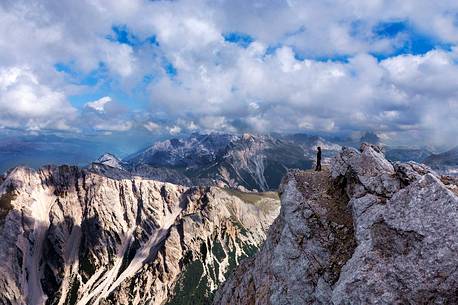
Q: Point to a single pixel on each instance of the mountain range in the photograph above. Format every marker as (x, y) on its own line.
(38, 150)
(198, 220)
(446, 162)
(247, 162)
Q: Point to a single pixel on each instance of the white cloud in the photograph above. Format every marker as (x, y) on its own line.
(120, 59)
(394, 94)
(222, 86)
(151, 126)
(113, 126)
(105, 114)
(99, 105)
(174, 130)
(26, 103)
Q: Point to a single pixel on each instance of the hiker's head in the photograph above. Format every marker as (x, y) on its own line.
(319, 148)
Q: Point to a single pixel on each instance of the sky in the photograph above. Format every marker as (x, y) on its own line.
(153, 69)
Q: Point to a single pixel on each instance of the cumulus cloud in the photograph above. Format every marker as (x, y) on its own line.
(320, 67)
(99, 105)
(398, 93)
(27, 103)
(174, 130)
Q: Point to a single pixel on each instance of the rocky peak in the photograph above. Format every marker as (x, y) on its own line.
(110, 160)
(255, 162)
(366, 232)
(71, 236)
(247, 137)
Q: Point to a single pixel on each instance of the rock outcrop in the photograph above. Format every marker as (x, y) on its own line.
(366, 232)
(71, 236)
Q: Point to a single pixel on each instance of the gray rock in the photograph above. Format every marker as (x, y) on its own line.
(369, 232)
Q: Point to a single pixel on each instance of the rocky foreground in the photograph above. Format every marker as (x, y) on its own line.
(70, 236)
(365, 232)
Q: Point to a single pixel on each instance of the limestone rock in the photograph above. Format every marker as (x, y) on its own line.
(367, 232)
(72, 236)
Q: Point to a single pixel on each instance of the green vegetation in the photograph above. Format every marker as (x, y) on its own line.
(72, 296)
(250, 250)
(218, 251)
(252, 197)
(192, 288)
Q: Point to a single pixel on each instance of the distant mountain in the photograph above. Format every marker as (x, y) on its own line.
(248, 161)
(370, 137)
(405, 154)
(446, 162)
(110, 160)
(310, 143)
(347, 141)
(254, 162)
(43, 149)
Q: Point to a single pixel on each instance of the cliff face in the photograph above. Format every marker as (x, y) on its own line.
(69, 236)
(366, 232)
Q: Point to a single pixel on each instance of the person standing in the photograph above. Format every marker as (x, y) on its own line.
(318, 159)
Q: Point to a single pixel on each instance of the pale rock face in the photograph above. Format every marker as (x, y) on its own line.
(70, 236)
(110, 160)
(368, 232)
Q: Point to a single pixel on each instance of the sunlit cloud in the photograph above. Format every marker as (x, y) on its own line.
(231, 66)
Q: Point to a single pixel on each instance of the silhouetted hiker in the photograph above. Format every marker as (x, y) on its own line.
(318, 160)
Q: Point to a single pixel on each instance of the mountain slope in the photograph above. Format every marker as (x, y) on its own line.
(247, 161)
(368, 232)
(446, 162)
(110, 160)
(70, 236)
(405, 154)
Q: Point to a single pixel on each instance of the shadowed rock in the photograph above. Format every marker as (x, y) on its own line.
(368, 232)
(70, 236)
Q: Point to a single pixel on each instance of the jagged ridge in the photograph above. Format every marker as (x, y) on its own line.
(254, 162)
(390, 237)
(69, 236)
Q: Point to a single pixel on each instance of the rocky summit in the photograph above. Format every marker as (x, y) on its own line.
(366, 231)
(71, 236)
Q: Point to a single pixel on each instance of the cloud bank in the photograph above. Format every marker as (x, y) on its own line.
(262, 66)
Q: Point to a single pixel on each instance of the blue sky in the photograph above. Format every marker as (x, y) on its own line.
(165, 68)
